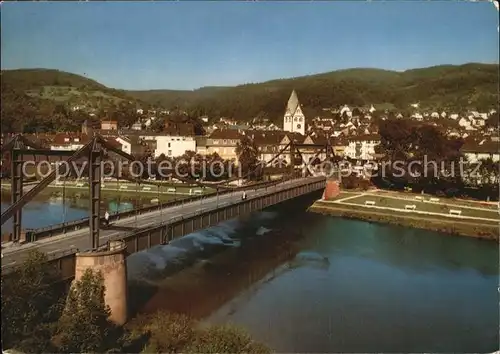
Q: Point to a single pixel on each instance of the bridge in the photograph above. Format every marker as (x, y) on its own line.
(162, 225)
(78, 245)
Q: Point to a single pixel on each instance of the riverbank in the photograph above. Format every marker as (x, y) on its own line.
(460, 227)
(123, 187)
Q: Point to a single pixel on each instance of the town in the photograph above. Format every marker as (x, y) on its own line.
(353, 133)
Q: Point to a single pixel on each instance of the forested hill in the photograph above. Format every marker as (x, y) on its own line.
(33, 98)
(55, 100)
(469, 86)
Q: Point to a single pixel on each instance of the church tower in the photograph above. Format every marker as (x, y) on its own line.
(294, 120)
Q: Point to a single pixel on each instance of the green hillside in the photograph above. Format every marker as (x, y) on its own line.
(33, 98)
(42, 99)
(469, 86)
(62, 87)
(177, 98)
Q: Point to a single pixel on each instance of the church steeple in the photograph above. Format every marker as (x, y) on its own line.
(294, 120)
(293, 103)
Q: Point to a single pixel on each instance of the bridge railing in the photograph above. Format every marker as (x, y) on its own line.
(51, 256)
(62, 228)
(188, 216)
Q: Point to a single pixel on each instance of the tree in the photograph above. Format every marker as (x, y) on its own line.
(248, 157)
(84, 325)
(30, 305)
(225, 339)
(168, 333)
(432, 156)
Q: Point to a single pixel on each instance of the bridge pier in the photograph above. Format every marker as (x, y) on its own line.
(111, 262)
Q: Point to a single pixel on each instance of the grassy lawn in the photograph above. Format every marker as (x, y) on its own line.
(382, 201)
(412, 196)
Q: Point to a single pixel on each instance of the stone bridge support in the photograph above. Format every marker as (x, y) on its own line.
(111, 262)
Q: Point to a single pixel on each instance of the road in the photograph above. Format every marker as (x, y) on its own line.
(16, 254)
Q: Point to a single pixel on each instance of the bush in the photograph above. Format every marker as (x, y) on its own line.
(225, 339)
(168, 333)
(30, 305)
(174, 333)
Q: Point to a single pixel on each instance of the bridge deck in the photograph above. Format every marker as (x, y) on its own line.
(80, 239)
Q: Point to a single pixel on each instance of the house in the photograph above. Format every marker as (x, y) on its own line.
(149, 121)
(464, 122)
(173, 146)
(485, 149)
(362, 147)
(285, 139)
(125, 143)
(308, 154)
(179, 129)
(223, 143)
(339, 145)
(268, 144)
(294, 120)
(417, 116)
(132, 144)
(478, 121)
(69, 141)
(109, 125)
(137, 126)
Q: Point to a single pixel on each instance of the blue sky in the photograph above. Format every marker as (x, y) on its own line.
(189, 44)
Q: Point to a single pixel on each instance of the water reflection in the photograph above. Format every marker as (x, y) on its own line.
(334, 286)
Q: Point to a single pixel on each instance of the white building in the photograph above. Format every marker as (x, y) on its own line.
(173, 146)
(126, 144)
(418, 116)
(362, 147)
(294, 120)
(485, 149)
(346, 110)
(479, 121)
(464, 122)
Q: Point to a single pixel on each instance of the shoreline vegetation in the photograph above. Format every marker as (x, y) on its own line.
(56, 320)
(456, 227)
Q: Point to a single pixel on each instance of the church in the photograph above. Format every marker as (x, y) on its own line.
(294, 120)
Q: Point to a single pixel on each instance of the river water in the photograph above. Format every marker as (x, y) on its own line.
(303, 282)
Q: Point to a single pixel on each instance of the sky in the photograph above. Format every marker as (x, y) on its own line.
(190, 44)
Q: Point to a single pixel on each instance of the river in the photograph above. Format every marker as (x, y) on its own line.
(303, 282)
